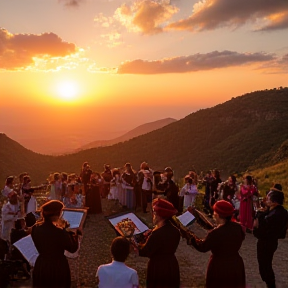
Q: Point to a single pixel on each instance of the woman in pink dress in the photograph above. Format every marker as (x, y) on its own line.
(247, 191)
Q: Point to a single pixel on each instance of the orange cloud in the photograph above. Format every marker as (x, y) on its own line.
(19, 50)
(146, 16)
(212, 14)
(193, 63)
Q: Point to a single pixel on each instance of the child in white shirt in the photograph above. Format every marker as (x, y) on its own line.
(116, 274)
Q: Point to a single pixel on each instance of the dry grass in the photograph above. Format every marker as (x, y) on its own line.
(273, 174)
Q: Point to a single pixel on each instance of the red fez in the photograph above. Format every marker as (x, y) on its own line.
(52, 208)
(164, 208)
(223, 208)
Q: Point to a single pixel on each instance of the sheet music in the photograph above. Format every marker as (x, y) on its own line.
(140, 225)
(73, 217)
(27, 248)
(186, 218)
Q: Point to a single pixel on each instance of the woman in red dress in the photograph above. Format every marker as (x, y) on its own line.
(246, 211)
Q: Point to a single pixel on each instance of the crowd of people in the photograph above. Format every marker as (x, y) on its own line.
(236, 209)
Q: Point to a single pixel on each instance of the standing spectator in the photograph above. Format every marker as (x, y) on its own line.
(107, 177)
(145, 179)
(9, 186)
(247, 191)
(128, 182)
(214, 192)
(64, 182)
(115, 185)
(158, 191)
(30, 204)
(93, 196)
(269, 226)
(206, 201)
(189, 191)
(171, 189)
(10, 213)
(117, 274)
(85, 175)
(51, 267)
(160, 247)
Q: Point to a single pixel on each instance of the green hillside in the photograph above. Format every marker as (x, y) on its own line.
(245, 131)
(273, 174)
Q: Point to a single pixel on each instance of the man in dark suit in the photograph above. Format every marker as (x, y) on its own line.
(269, 226)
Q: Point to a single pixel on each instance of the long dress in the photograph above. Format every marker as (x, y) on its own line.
(246, 205)
(189, 191)
(226, 267)
(128, 181)
(51, 267)
(160, 247)
(8, 220)
(93, 198)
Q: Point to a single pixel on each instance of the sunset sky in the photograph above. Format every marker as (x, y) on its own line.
(94, 69)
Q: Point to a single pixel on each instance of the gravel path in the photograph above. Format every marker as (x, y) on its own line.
(98, 234)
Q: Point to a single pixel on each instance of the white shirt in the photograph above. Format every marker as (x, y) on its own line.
(6, 191)
(117, 275)
(32, 205)
(148, 179)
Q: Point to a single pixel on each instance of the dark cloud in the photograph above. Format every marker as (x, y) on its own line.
(196, 62)
(17, 51)
(212, 14)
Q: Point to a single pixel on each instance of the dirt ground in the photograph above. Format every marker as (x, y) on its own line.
(193, 264)
(95, 250)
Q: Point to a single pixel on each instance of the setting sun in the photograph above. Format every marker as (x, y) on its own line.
(68, 90)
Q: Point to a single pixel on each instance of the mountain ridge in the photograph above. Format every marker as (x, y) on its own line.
(139, 130)
(231, 136)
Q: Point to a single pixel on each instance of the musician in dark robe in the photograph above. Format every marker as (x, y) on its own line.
(107, 177)
(226, 267)
(269, 226)
(160, 247)
(51, 267)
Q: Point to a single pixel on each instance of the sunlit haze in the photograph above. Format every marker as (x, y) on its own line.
(88, 70)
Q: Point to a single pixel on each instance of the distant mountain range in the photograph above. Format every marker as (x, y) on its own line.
(140, 130)
(244, 132)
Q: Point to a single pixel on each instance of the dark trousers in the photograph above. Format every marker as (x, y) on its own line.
(265, 253)
(146, 198)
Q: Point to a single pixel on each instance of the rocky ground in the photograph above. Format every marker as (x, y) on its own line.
(95, 250)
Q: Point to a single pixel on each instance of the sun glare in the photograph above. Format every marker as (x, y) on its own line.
(68, 90)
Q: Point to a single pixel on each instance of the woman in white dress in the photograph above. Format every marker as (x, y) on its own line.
(10, 213)
(189, 191)
(115, 185)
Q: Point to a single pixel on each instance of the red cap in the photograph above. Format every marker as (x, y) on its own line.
(164, 208)
(223, 208)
